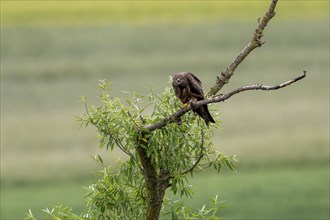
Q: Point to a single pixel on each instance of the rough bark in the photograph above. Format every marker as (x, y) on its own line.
(156, 182)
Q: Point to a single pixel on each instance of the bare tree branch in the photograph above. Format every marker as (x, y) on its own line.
(219, 98)
(254, 43)
(223, 97)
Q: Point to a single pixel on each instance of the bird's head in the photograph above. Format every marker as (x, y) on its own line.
(179, 79)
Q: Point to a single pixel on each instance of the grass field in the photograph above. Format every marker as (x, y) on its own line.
(281, 137)
(31, 13)
(287, 193)
(266, 194)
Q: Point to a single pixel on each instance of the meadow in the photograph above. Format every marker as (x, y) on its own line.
(280, 137)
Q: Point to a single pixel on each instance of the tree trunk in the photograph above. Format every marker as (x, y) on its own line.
(156, 184)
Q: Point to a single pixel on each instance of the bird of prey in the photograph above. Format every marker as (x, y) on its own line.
(188, 88)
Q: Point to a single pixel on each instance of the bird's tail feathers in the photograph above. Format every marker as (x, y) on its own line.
(204, 113)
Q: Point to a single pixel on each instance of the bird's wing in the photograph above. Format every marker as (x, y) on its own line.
(195, 86)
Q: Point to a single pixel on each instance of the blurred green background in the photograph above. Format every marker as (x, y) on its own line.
(53, 52)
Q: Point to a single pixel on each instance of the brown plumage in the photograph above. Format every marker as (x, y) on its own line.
(188, 88)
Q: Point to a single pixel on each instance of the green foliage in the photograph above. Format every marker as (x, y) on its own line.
(118, 194)
(181, 148)
(58, 213)
(178, 211)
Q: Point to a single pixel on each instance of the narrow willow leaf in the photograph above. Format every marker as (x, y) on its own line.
(100, 159)
(229, 164)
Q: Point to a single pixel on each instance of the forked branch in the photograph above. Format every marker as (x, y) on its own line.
(225, 76)
(220, 98)
(254, 43)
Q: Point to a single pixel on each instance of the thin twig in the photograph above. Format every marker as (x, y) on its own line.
(222, 97)
(201, 155)
(117, 141)
(129, 114)
(120, 145)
